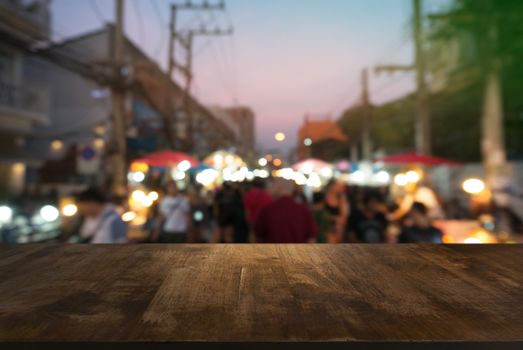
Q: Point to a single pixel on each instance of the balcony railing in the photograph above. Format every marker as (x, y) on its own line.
(31, 101)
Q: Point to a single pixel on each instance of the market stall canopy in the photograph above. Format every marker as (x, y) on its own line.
(167, 158)
(310, 165)
(415, 158)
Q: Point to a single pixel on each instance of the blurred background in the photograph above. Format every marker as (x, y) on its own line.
(176, 121)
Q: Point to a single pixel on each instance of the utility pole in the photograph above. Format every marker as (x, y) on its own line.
(366, 120)
(174, 35)
(118, 141)
(422, 121)
(495, 164)
(187, 42)
(493, 133)
(172, 41)
(423, 142)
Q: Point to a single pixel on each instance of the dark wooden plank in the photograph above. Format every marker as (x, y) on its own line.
(262, 293)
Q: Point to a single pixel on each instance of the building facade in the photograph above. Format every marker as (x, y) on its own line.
(245, 119)
(322, 139)
(24, 103)
(56, 103)
(241, 121)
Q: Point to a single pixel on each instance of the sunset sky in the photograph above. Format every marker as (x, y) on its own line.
(285, 59)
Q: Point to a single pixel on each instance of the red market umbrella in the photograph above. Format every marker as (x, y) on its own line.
(167, 158)
(415, 158)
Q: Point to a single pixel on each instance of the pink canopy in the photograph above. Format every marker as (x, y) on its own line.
(167, 158)
(415, 158)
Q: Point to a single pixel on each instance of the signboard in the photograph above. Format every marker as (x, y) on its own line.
(88, 160)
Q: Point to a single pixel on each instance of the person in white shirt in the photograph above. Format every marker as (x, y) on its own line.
(174, 210)
(102, 223)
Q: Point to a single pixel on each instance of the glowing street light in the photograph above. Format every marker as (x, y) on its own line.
(280, 137)
(57, 145)
(307, 142)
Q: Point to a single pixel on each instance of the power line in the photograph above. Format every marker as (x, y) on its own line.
(220, 72)
(342, 100)
(97, 11)
(141, 23)
(222, 55)
(387, 85)
(161, 21)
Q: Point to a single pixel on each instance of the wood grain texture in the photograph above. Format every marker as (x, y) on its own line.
(261, 293)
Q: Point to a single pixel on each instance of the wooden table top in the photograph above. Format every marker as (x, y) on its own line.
(261, 293)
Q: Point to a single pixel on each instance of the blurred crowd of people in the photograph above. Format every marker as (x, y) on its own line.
(272, 211)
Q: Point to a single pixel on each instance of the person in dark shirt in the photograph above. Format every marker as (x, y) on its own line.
(368, 224)
(284, 220)
(321, 216)
(228, 211)
(418, 227)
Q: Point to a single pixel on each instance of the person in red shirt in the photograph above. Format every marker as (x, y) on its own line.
(285, 220)
(255, 200)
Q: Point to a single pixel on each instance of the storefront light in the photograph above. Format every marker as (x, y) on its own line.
(57, 145)
(207, 177)
(286, 173)
(357, 177)
(179, 175)
(412, 176)
(137, 166)
(184, 165)
(262, 162)
(153, 195)
(49, 213)
(473, 186)
(307, 169)
(138, 195)
(6, 214)
(401, 180)
(218, 159)
(314, 181)
(300, 179)
(383, 177)
(326, 172)
(263, 174)
(307, 142)
(473, 240)
(147, 202)
(128, 216)
(138, 177)
(69, 210)
(99, 143)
